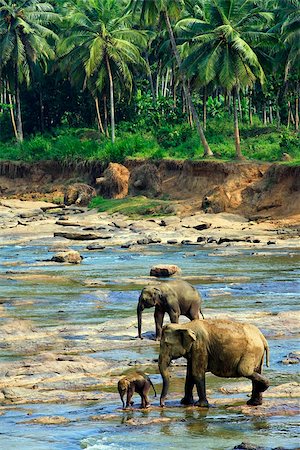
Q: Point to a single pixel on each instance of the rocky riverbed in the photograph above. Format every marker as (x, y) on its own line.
(68, 331)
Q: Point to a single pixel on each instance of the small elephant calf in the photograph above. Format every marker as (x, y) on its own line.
(135, 382)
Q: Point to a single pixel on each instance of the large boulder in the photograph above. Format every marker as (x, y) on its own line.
(114, 181)
(216, 201)
(70, 256)
(164, 270)
(145, 180)
(79, 194)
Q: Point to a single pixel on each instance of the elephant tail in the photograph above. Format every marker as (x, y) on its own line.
(267, 354)
(267, 351)
(152, 386)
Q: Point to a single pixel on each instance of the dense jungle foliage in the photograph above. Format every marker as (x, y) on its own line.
(112, 79)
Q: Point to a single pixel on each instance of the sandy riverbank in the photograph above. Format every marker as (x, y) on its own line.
(22, 221)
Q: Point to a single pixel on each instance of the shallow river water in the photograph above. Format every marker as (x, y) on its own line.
(240, 282)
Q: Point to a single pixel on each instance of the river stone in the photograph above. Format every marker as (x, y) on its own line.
(154, 239)
(77, 236)
(170, 221)
(247, 446)
(127, 244)
(172, 241)
(292, 358)
(143, 241)
(54, 420)
(95, 247)
(30, 214)
(164, 271)
(71, 257)
(120, 223)
(187, 242)
(233, 239)
(67, 223)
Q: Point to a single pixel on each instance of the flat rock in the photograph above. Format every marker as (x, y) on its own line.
(120, 223)
(76, 236)
(95, 247)
(54, 420)
(30, 214)
(67, 223)
(164, 271)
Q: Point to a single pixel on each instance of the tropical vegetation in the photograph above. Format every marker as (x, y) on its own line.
(112, 79)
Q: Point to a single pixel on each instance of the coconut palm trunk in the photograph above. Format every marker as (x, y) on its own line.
(99, 120)
(238, 152)
(18, 108)
(11, 110)
(207, 150)
(112, 103)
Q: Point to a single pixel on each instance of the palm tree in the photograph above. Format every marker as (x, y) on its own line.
(25, 40)
(101, 48)
(222, 48)
(150, 11)
(290, 37)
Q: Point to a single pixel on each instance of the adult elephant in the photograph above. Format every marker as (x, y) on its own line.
(222, 347)
(176, 297)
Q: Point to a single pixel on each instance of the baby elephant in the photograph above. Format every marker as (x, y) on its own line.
(176, 297)
(135, 382)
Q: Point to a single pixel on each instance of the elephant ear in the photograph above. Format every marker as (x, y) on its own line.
(187, 338)
(170, 336)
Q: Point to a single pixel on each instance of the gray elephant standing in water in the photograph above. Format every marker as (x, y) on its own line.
(222, 347)
(176, 297)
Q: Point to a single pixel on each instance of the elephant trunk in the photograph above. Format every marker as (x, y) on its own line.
(163, 364)
(139, 318)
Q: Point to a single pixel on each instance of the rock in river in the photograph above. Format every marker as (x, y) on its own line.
(71, 257)
(77, 236)
(164, 271)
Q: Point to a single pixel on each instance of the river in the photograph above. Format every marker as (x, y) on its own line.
(239, 282)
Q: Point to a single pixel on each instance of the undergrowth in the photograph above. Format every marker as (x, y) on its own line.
(262, 143)
(131, 206)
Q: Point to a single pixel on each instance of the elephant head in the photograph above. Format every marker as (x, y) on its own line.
(150, 296)
(123, 386)
(175, 342)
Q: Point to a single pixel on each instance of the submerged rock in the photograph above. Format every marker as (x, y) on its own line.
(292, 358)
(54, 420)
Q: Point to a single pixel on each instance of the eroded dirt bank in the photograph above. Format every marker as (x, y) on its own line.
(250, 189)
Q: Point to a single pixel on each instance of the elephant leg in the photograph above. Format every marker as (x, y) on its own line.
(174, 317)
(188, 388)
(259, 385)
(130, 393)
(145, 399)
(201, 390)
(194, 313)
(159, 318)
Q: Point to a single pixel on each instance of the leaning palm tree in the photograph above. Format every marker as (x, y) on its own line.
(222, 48)
(25, 40)
(150, 11)
(102, 47)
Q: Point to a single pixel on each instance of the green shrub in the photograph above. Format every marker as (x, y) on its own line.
(131, 206)
(171, 136)
(290, 143)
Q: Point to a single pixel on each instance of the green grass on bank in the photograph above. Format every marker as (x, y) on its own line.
(132, 206)
(262, 143)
